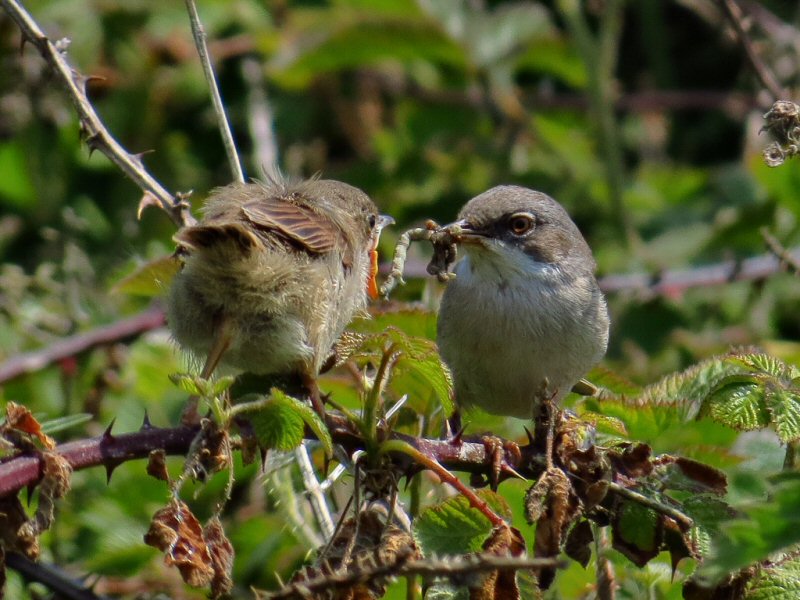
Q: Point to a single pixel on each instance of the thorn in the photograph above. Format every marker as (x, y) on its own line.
(92, 142)
(409, 473)
(146, 424)
(509, 470)
(530, 435)
(138, 156)
(107, 433)
(83, 80)
(31, 487)
(458, 437)
(110, 466)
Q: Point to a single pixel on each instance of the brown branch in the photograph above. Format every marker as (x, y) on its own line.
(764, 74)
(95, 133)
(108, 450)
(430, 568)
(122, 330)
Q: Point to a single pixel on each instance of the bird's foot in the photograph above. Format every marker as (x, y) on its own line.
(502, 453)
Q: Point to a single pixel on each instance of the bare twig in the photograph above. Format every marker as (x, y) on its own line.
(95, 133)
(444, 568)
(199, 35)
(762, 71)
(124, 329)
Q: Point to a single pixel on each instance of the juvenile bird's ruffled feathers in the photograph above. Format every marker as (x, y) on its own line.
(281, 266)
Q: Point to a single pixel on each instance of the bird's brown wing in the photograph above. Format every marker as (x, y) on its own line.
(298, 224)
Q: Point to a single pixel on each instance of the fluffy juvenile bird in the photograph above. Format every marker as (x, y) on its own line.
(273, 273)
(524, 306)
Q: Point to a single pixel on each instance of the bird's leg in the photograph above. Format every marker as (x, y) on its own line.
(310, 383)
(219, 345)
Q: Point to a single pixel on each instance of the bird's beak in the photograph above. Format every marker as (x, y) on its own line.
(465, 232)
(372, 281)
(384, 221)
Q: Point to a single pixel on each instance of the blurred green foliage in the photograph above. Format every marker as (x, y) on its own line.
(423, 104)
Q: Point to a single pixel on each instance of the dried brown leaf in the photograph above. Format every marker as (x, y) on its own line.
(221, 551)
(20, 418)
(500, 584)
(157, 465)
(16, 530)
(55, 484)
(176, 531)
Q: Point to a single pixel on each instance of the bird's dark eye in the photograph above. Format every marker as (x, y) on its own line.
(521, 223)
(372, 220)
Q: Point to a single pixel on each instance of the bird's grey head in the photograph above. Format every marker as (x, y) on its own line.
(510, 218)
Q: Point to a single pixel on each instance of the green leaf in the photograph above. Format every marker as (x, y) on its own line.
(309, 417)
(784, 407)
(454, 527)
(417, 362)
(767, 364)
(150, 279)
(277, 424)
(688, 389)
(778, 581)
(63, 423)
(768, 524)
(326, 40)
(222, 384)
(739, 406)
(191, 384)
(638, 526)
(279, 421)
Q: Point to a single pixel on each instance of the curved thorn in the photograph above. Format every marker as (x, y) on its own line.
(107, 433)
(458, 437)
(530, 435)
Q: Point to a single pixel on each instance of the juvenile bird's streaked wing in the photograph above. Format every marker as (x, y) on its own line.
(296, 223)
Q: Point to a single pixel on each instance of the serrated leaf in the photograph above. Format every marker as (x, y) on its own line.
(779, 581)
(150, 279)
(417, 359)
(688, 389)
(784, 407)
(454, 527)
(769, 365)
(191, 384)
(277, 424)
(309, 417)
(222, 384)
(739, 406)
